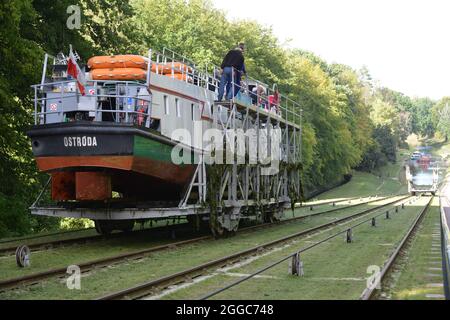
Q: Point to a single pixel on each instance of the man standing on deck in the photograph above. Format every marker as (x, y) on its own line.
(233, 59)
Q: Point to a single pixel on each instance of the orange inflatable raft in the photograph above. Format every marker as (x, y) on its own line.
(119, 61)
(134, 67)
(119, 74)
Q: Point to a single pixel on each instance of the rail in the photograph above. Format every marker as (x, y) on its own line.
(369, 292)
(445, 246)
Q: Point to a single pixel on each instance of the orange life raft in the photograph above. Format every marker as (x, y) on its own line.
(134, 67)
(119, 74)
(119, 61)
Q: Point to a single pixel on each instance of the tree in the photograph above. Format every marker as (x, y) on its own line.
(441, 116)
(425, 125)
(387, 142)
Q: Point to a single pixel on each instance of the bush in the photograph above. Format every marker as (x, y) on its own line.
(75, 223)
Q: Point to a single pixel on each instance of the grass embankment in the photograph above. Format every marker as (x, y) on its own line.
(386, 180)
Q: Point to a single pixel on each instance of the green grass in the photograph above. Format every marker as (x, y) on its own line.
(365, 184)
(386, 180)
(333, 270)
(412, 274)
(104, 280)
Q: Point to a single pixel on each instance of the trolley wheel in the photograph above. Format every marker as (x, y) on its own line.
(23, 256)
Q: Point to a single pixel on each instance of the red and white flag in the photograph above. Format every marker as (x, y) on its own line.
(75, 71)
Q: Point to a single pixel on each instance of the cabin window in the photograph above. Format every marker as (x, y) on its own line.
(166, 105)
(177, 104)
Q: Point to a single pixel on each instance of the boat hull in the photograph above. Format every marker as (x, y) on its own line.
(90, 160)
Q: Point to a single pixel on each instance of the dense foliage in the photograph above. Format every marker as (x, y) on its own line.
(348, 121)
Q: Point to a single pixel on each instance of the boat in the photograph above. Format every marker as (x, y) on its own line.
(109, 148)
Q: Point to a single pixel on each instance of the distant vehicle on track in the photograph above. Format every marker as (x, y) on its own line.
(423, 180)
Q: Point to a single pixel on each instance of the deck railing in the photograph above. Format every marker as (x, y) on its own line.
(67, 91)
(207, 77)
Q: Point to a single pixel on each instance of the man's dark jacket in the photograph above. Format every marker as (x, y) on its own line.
(234, 58)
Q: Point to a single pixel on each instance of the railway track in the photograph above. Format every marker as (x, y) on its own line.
(38, 236)
(10, 250)
(79, 240)
(147, 288)
(313, 204)
(86, 266)
(370, 293)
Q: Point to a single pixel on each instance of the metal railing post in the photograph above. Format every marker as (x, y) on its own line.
(44, 69)
(150, 100)
(35, 105)
(97, 118)
(232, 83)
(149, 66)
(126, 102)
(61, 113)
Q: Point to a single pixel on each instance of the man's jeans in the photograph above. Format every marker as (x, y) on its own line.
(237, 82)
(226, 80)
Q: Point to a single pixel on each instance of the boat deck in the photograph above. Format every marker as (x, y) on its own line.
(263, 114)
